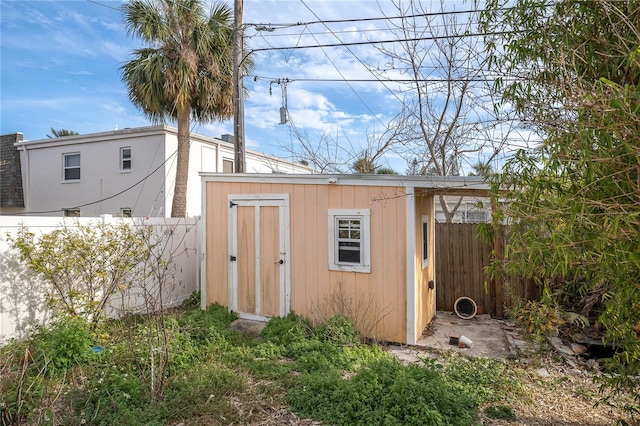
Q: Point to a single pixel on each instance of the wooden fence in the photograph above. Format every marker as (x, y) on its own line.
(461, 256)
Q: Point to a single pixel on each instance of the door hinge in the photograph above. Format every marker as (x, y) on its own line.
(233, 258)
(231, 204)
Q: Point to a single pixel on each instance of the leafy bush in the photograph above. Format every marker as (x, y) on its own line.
(287, 330)
(210, 325)
(85, 265)
(64, 343)
(339, 330)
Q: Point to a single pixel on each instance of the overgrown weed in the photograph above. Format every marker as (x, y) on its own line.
(214, 373)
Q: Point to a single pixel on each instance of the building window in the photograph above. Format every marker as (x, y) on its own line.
(349, 236)
(72, 213)
(71, 166)
(227, 166)
(126, 212)
(425, 241)
(125, 158)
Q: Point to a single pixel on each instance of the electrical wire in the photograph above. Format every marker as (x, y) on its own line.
(390, 41)
(100, 200)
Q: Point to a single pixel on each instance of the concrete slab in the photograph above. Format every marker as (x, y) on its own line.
(487, 334)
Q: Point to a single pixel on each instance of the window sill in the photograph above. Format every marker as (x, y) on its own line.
(350, 268)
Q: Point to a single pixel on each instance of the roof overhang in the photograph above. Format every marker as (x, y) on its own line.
(438, 185)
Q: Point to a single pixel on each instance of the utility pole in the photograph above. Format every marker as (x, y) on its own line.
(238, 93)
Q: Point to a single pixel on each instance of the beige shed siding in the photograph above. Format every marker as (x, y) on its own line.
(425, 296)
(380, 294)
(217, 290)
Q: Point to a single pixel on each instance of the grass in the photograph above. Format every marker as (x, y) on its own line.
(218, 376)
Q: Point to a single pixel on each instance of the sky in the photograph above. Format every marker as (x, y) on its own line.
(60, 64)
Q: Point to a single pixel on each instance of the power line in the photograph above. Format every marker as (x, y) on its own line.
(103, 5)
(340, 72)
(370, 42)
(270, 27)
(103, 199)
(393, 80)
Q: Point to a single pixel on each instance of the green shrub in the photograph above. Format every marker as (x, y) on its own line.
(65, 342)
(339, 330)
(210, 325)
(286, 331)
(385, 392)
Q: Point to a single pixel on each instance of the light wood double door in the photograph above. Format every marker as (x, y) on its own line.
(259, 269)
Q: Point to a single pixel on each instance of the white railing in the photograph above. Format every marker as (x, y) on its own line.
(23, 297)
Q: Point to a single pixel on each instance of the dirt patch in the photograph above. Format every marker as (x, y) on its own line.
(559, 394)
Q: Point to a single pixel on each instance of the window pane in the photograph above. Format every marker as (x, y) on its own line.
(72, 160)
(126, 153)
(227, 166)
(348, 255)
(71, 174)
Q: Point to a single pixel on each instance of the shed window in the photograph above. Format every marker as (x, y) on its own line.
(425, 241)
(349, 248)
(71, 166)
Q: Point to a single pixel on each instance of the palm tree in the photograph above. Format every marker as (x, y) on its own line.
(60, 133)
(186, 73)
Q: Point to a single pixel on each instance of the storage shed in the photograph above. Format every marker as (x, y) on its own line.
(314, 244)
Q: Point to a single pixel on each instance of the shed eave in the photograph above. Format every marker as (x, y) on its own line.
(454, 185)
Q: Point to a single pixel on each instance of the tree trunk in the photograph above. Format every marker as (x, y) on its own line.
(449, 214)
(179, 206)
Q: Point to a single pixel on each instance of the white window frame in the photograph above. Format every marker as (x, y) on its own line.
(123, 160)
(65, 167)
(424, 230)
(364, 216)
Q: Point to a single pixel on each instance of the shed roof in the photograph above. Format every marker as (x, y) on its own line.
(446, 185)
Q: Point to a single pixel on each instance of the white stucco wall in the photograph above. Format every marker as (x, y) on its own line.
(107, 189)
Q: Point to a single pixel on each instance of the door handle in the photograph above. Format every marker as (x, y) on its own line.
(281, 261)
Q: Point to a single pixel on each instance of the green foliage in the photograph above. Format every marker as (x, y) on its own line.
(339, 330)
(213, 375)
(84, 265)
(65, 343)
(287, 330)
(485, 379)
(385, 392)
(573, 202)
(58, 133)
